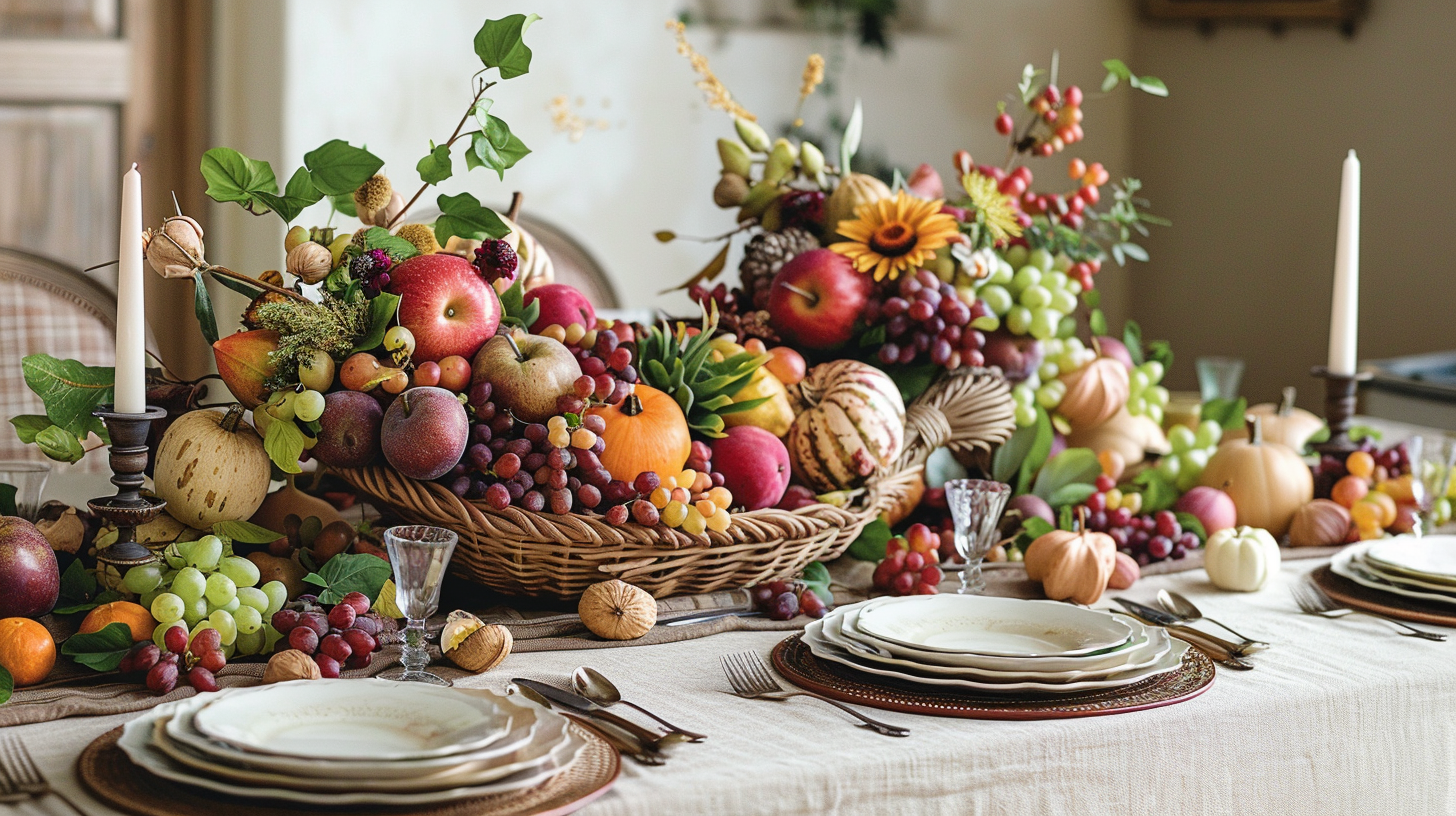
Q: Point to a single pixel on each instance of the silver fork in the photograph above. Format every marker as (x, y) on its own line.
(1313, 601)
(750, 679)
(19, 775)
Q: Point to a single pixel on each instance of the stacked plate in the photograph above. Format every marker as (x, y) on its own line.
(1421, 568)
(996, 645)
(353, 742)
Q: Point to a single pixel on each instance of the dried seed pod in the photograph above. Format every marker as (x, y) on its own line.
(372, 195)
(616, 610)
(309, 261)
(175, 249)
(730, 190)
(472, 644)
(421, 236)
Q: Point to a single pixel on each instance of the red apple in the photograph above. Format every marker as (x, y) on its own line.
(527, 374)
(1213, 508)
(243, 364)
(925, 182)
(30, 582)
(561, 305)
(754, 464)
(816, 299)
(447, 306)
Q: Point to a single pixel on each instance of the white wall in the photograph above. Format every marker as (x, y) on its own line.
(395, 75)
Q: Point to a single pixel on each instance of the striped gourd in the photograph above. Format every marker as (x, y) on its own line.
(850, 423)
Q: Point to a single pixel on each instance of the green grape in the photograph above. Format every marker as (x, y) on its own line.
(1025, 416)
(189, 584)
(203, 624)
(1170, 467)
(248, 620)
(243, 572)
(1049, 396)
(143, 579)
(230, 649)
(986, 323)
(1187, 479)
(1064, 301)
(996, 298)
(229, 607)
(1048, 371)
(1066, 326)
(1016, 256)
(1155, 413)
(1002, 274)
(1138, 382)
(1025, 276)
(184, 549)
(1208, 435)
(254, 597)
(277, 596)
(1035, 296)
(196, 611)
(271, 637)
(308, 406)
(220, 588)
(1040, 258)
(1055, 280)
(159, 634)
(148, 597)
(1044, 323)
(1158, 395)
(1018, 320)
(1054, 347)
(1074, 345)
(225, 626)
(1154, 370)
(1075, 287)
(280, 405)
(250, 643)
(168, 607)
(1196, 460)
(1181, 438)
(1137, 406)
(1062, 262)
(1022, 394)
(205, 553)
(168, 575)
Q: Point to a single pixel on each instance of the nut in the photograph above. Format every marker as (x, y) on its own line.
(730, 190)
(175, 249)
(616, 610)
(311, 262)
(290, 665)
(472, 644)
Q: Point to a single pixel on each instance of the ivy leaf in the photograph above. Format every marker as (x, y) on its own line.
(871, 542)
(70, 390)
(435, 167)
(350, 572)
(101, 650)
(514, 309)
(398, 248)
(284, 444)
(344, 204)
(849, 142)
(499, 44)
(231, 176)
(299, 193)
(1068, 495)
(202, 307)
(1162, 351)
(337, 167)
(1191, 524)
(1229, 414)
(497, 155)
(465, 216)
(1132, 337)
(28, 425)
(79, 592)
(245, 532)
(382, 309)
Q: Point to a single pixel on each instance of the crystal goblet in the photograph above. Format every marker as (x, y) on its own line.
(1432, 458)
(975, 506)
(29, 480)
(420, 554)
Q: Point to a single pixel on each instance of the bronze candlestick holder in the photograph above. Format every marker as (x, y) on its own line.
(1340, 398)
(128, 508)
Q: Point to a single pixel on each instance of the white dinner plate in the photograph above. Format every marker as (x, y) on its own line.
(1430, 558)
(822, 648)
(1346, 565)
(1387, 574)
(1151, 647)
(522, 727)
(136, 743)
(992, 626)
(353, 719)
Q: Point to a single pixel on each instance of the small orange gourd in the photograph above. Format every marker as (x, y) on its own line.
(646, 432)
(1285, 424)
(1072, 566)
(1095, 393)
(1267, 481)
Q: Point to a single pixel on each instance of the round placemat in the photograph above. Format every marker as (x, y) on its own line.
(1351, 594)
(114, 779)
(794, 660)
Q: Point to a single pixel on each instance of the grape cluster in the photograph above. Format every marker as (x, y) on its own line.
(1191, 451)
(927, 316)
(1145, 396)
(1042, 387)
(200, 585)
(345, 637)
(694, 500)
(1034, 293)
(785, 600)
(197, 661)
(911, 564)
(1147, 537)
(606, 360)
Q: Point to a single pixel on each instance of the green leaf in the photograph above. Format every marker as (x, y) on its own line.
(241, 287)
(78, 585)
(874, 337)
(1359, 432)
(284, 444)
(849, 142)
(70, 390)
(1041, 448)
(1161, 351)
(1191, 524)
(816, 577)
(499, 44)
(870, 544)
(463, 215)
(337, 167)
(231, 176)
(1097, 321)
(1071, 494)
(912, 380)
(350, 572)
(1158, 493)
(60, 444)
(435, 167)
(202, 307)
(101, 650)
(496, 147)
(1133, 251)
(1092, 298)
(1070, 467)
(398, 248)
(245, 532)
(7, 685)
(28, 425)
(382, 309)
(1132, 337)
(344, 204)
(7, 500)
(1229, 414)
(1116, 70)
(1151, 85)
(299, 193)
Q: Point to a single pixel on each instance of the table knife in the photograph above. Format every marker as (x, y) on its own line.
(626, 744)
(1222, 651)
(576, 702)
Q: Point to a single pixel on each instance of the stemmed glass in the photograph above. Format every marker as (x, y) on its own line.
(29, 480)
(975, 506)
(1431, 458)
(420, 555)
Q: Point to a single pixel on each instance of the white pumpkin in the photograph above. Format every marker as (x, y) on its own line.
(1241, 559)
(850, 424)
(211, 466)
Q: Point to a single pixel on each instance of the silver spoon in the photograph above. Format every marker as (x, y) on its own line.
(592, 685)
(627, 744)
(1179, 606)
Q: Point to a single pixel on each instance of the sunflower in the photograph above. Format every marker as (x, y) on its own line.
(997, 211)
(893, 235)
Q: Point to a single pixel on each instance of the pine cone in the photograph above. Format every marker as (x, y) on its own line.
(765, 254)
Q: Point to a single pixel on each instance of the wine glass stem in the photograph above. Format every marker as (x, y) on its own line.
(415, 657)
(971, 581)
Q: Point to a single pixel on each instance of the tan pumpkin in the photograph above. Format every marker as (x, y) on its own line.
(853, 191)
(1095, 393)
(1283, 423)
(850, 424)
(1132, 437)
(1319, 524)
(1267, 481)
(1072, 566)
(211, 467)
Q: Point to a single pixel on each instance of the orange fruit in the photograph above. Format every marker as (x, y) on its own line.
(27, 650)
(135, 616)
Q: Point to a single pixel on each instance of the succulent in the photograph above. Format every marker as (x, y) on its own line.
(680, 363)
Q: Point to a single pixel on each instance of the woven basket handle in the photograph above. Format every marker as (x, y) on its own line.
(966, 410)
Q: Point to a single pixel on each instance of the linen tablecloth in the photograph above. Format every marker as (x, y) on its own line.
(1340, 717)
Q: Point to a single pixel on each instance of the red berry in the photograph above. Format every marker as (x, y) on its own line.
(1005, 124)
(1073, 96)
(336, 647)
(903, 584)
(212, 660)
(359, 661)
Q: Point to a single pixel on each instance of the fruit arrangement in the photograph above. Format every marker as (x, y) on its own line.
(911, 564)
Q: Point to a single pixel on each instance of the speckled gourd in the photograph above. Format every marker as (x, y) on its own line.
(850, 424)
(211, 467)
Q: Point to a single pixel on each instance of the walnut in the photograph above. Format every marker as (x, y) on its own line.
(290, 665)
(473, 645)
(616, 610)
(310, 261)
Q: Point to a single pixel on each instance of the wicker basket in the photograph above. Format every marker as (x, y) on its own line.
(515, 552)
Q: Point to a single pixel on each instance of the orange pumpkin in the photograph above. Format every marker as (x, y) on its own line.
(1070, 565)
(1095, 393)
(1267, 481)
(646, 432)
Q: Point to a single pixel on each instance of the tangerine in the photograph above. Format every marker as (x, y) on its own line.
(136, 617)
(27, 650)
